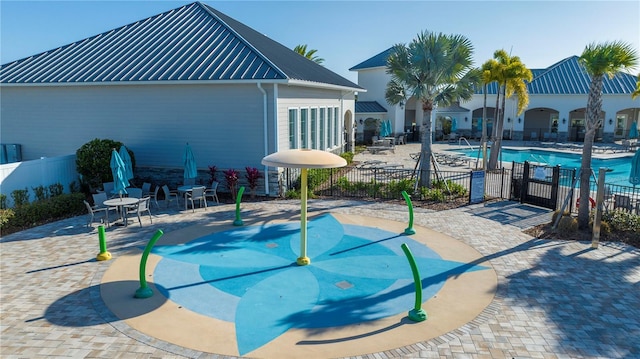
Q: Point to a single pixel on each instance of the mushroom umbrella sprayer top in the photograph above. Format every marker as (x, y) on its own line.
(303, 159)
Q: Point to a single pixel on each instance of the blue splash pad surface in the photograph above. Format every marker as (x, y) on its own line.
(249, 276)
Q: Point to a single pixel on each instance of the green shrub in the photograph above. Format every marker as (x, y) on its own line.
(56, 189)
(567, 226)
(41, 193)
(93, 161)
(620, 220)
(20, 197)
(5, 216)
(450, 188)
(3, 201)
(344, 184)
(555, 215)
(292, 194)
(317, 176)
(395, 188)
(348, 156)
(51, 209)
(432, 194)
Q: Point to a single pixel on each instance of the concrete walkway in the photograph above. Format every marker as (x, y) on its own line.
(555, 299)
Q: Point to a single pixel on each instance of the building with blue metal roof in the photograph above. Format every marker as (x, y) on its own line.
(190, 74)
(556, 111)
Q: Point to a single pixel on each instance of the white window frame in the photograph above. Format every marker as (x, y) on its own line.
(329, 133)
(323, 129)
(336, 127)
(293, 126)
(304, 127)
(313, 123)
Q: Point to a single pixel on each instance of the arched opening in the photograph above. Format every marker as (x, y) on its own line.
(349, 131)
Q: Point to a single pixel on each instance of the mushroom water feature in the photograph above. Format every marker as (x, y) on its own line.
(303, 159)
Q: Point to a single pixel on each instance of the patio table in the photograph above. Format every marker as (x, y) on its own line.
(121, 202)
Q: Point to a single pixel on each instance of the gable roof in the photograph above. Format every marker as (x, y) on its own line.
(369, 107)
(454, 108)
(566, 77)
(379, 60)
(191, 43)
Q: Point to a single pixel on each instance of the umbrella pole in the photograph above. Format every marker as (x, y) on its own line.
(303, 260)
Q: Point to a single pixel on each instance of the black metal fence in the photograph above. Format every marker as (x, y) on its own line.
(388, 183)
(545, 186)
(620, 197)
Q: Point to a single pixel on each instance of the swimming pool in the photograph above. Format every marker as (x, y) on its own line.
(621, 166)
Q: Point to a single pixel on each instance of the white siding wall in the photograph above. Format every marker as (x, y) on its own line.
(223, 124)
(375, 81)
(291, 97)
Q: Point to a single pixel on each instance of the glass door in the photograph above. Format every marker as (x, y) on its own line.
(621, 125)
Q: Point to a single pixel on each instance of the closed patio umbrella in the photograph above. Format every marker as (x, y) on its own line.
(383, 129)
(634, 175)
(124, 154)
(633, 132)
(454, 125)
(479, 126)
(120, 182)
(190, 169)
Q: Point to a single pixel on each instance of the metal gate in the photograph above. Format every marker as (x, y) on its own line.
(535, 184)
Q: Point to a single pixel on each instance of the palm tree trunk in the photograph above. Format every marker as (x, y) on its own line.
(425, 147)
(483, 141)
(592, 122)
(493, 156)
(585, 176)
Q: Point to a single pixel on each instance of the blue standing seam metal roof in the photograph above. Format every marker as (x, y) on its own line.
(191, 43)
(566, 77)
(369, 107)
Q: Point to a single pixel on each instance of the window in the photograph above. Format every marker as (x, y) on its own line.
(293, 121)
(314, 128)
(304, 127)
(322, 129)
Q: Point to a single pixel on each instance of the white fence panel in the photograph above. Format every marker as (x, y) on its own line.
(42, 172)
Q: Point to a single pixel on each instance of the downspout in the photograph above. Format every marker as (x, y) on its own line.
(266, 136)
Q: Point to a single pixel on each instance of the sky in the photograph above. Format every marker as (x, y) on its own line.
(345, 33)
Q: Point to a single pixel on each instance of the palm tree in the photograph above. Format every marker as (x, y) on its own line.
(311, 54)
(437, 70)
(511, 74)
(598, 60)
(636, 92)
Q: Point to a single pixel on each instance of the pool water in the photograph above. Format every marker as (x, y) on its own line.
(621, 166)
